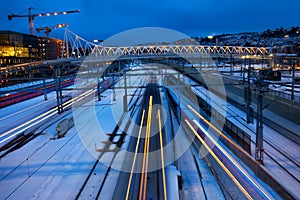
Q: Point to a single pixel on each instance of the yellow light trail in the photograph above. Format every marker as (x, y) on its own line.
(143, 168)
(148, 144)
(219, 161)
(135, 154)
(162, 155)
(233, 161)
(215, 128)
(143, 183)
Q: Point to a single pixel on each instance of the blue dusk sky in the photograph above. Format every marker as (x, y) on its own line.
(100, 19)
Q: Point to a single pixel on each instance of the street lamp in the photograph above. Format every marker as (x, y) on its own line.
(210, 37)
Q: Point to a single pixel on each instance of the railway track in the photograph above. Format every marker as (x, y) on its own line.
(152, 184)
(24, 139)
(30, 125)
(43, 163)
(115, 140)
(284, 160)
(287, 163)
(31, 93)
(146, 175)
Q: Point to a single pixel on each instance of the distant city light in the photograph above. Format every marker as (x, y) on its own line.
(96, 40)
(210, 37)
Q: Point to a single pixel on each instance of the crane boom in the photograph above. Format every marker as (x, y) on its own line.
(32, 16)
(48, 29)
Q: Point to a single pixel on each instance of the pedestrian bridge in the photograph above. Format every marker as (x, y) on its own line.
(76, 49)
(79, 47)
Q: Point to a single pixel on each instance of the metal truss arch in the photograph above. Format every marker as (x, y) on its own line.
(76, 46)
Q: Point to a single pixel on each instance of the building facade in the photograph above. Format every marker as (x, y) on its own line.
(17, 48)
(49, 48)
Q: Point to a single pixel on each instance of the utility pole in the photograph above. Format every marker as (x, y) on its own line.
(99, 73)
(125, 104)
(58, 89)
(98, 85)
(261, 88)
(259, 148)
(248, 96)
(293, 83)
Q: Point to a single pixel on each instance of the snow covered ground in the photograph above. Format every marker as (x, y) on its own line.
(281, 88)
(48, 168)
(23, 85)
(53, 169)
(272, 137)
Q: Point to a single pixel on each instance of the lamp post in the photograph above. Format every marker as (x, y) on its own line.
(210, 37)
(98, 70)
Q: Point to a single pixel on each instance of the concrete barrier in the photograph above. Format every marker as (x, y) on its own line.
(63, 126)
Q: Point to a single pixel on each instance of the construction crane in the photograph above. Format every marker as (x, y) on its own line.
(48, 29)
(32, 16)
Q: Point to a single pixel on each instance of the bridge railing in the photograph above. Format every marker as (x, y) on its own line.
(179, 50)
(76, 46)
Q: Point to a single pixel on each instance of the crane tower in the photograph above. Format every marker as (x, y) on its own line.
(31, 16)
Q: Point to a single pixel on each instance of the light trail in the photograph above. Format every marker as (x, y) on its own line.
(45, 116)
(215, 128)
(148, 144)
(143, 167)
(233, 161)
(135, 154)
(162, 155)
(26, 123)
(53, 109)
(27, 127)
(28, 108)
(244, 191)
(143, 183)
